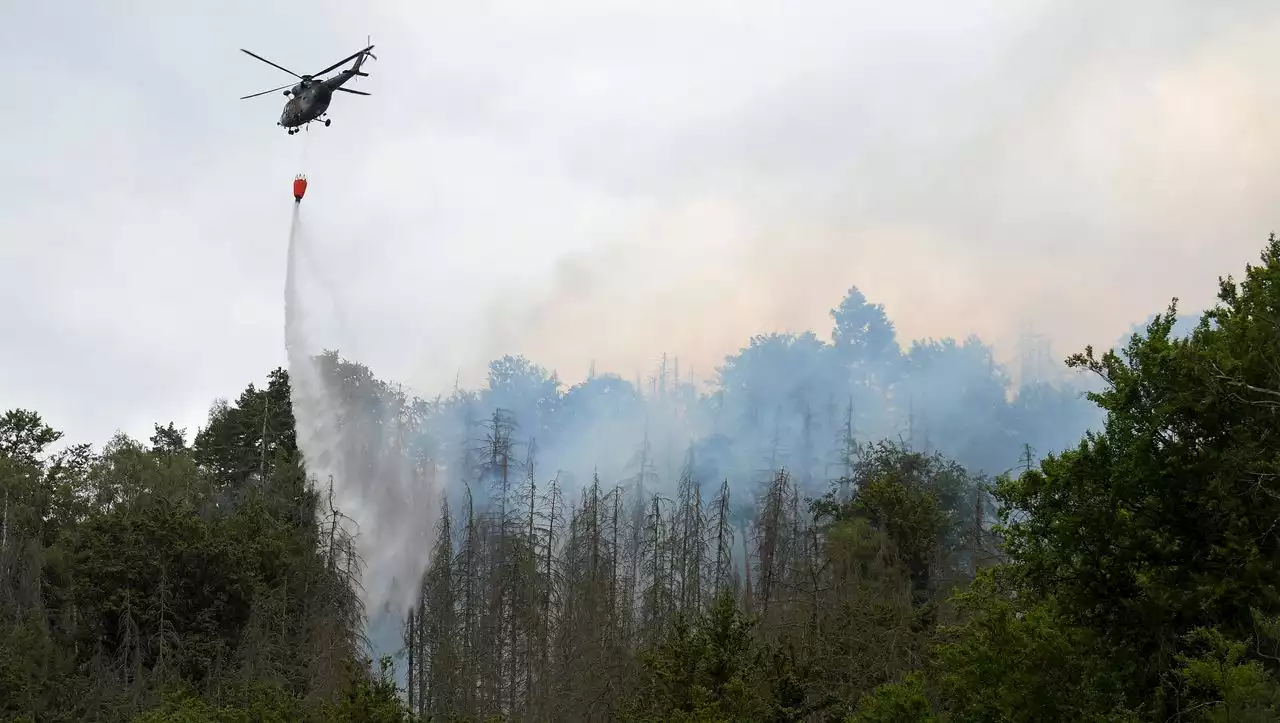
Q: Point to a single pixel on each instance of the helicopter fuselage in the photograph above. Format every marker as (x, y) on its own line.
(309, 99)
(306, 103)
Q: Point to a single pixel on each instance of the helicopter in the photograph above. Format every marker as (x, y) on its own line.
(311, 97)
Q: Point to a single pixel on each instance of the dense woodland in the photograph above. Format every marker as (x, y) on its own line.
(178, 582)
(832, 531)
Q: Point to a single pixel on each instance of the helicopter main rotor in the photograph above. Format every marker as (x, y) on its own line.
(306, 79)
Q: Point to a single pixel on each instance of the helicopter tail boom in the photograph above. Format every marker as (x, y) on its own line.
(337, 81)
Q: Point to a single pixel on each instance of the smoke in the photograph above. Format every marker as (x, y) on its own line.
(781, 401)
(610, 183)
(1072, 165)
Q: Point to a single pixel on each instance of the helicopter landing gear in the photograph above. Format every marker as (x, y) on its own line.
(327, 122)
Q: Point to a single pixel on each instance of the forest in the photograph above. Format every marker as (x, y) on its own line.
(852, 529)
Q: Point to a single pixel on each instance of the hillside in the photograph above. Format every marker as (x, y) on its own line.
(854, 529)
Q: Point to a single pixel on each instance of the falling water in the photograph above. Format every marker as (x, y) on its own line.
(384, 497)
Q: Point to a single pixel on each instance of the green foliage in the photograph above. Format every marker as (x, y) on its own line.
(909, 516)
(1221, 684)
(159, 567)
(24, 437)
(36, 675)
(901, 702)
(923, 505)
(242, 439)
(363, 700)
(371, 701)
(1165, 521)
(1015, 660)
(175, 583)
(705, 671)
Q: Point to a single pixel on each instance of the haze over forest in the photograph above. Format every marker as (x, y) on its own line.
(783, 401)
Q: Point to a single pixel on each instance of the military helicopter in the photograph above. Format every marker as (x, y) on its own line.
(311, 97)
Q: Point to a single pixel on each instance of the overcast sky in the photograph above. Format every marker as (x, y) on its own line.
(582, 179)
